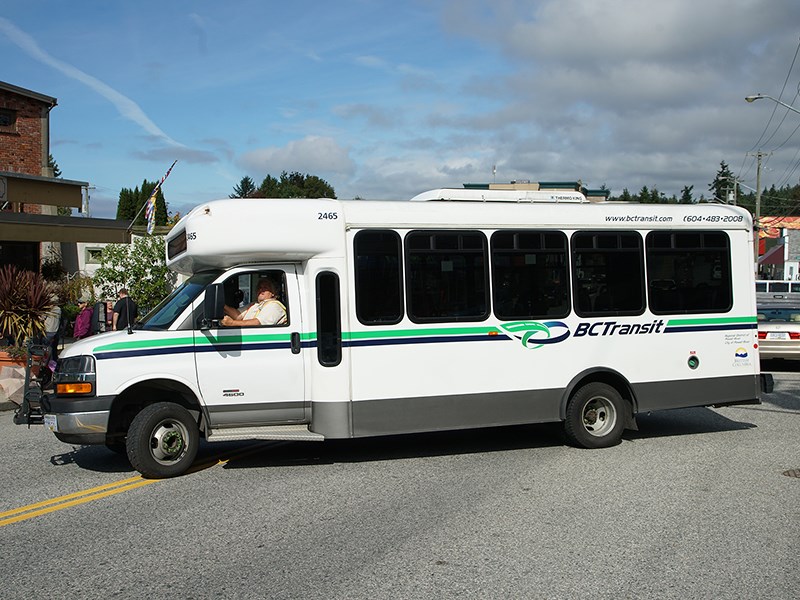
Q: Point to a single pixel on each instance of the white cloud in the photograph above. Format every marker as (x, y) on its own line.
(314, 155)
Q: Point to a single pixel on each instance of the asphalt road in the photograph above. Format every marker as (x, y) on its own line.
(693, 505)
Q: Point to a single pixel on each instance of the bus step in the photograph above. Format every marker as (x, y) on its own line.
(268, 432)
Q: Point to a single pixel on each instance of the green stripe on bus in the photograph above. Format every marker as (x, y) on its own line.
(711, 321)
(397, 333)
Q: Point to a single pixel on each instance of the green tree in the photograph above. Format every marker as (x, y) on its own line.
(656, 197)
(289, 185)
(126, 205)
(723, 181)
(686, 195)
(268, 188)
(245, 189)
(140, 267)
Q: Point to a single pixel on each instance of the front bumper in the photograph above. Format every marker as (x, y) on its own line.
(79, 420)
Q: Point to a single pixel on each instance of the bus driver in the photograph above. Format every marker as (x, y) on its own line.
(268, 310)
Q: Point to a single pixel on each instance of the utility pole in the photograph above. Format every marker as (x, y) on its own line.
(757, 220)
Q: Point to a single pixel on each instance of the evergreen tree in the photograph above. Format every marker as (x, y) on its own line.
(125, 210)
(51, 162)
(723, 181)
(268, 188)
(245, 189)
(656, 197)
(686, 195)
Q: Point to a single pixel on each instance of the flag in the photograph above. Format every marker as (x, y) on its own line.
(150, 211)
(150, 206)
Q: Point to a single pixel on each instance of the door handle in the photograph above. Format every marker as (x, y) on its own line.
(295, 337)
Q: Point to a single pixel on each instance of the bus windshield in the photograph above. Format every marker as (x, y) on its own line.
(162, 316)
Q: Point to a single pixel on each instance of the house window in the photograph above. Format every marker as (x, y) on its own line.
(94, 256)
(8, 120)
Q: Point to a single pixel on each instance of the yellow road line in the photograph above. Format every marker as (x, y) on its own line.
(109, 489)
(48, 506)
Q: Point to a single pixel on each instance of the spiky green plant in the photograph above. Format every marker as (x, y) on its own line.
(25, 298)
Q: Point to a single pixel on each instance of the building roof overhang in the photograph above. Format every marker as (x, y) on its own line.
(32, 189)
(24, 227)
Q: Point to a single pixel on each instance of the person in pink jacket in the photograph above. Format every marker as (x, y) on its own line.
(83, 322)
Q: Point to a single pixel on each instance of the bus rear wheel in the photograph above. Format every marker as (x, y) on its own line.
(162, 440)
(595, 416)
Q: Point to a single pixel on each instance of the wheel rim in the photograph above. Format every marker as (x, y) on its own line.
(168, 442)
(599, 416)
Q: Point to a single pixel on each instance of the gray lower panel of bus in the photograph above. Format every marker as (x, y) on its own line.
(436, 413)
(659, 395)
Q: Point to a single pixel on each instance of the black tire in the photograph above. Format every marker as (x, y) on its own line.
(162, 441)
(595, 416)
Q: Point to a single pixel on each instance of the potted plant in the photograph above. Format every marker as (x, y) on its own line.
(25, 298)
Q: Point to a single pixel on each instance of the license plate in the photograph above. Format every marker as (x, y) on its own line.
(51, 422)
(777, 335)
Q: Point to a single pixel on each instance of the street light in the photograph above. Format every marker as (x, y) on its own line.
(757, 220)
(755, 97)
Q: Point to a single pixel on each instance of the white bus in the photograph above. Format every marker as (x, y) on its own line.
(461, 309)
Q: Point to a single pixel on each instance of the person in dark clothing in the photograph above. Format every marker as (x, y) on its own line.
(125, 311)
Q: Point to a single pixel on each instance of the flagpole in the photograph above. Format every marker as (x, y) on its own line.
(155, 191)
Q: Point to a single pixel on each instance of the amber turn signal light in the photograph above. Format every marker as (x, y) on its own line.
(74, 388)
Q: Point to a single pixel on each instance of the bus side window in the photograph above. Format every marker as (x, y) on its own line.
(529, 274)
(378, 277)
(608, 273)
(447, 275)
(329, 322)
(688, 271)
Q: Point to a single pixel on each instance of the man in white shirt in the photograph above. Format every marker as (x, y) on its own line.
(268, 309)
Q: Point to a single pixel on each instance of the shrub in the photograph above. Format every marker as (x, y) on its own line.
(24, 302)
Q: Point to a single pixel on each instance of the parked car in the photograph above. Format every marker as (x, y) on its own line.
(779, 331)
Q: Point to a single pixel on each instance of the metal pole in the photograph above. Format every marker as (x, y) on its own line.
(757, 223)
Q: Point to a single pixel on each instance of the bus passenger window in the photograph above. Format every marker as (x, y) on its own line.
(448, 276)
(378, 277)
(529, 274)
(608, 273)
(688, 272)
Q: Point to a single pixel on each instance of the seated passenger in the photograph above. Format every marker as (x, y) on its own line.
(268, 310)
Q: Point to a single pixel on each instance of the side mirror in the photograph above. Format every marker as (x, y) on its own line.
(213, 305)
(98, 317)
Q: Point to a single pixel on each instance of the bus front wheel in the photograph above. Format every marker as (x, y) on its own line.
(595, 416)
(162, 440)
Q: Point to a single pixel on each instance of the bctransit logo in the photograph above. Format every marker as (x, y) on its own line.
(535, 334)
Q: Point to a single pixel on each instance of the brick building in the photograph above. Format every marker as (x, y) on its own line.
(29, 194)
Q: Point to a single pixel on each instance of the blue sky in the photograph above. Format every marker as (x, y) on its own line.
(388, 99)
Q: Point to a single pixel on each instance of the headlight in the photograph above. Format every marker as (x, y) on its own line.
(75, 376)
(76, 364)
